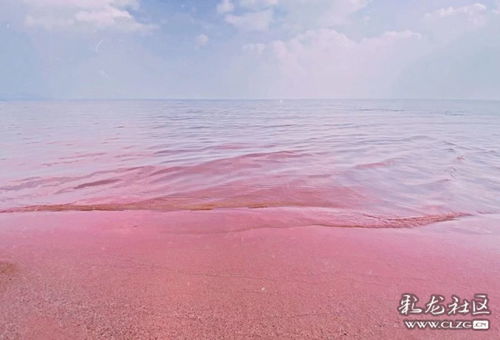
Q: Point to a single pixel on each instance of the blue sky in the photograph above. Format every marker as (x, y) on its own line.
(65, 49)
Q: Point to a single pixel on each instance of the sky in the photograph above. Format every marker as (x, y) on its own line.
(118, 49)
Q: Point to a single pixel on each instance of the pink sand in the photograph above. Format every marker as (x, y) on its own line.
(198, 275)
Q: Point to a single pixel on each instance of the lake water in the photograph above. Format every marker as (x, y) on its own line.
(340, 163)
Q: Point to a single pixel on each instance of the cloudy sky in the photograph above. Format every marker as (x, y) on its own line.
(249, 49)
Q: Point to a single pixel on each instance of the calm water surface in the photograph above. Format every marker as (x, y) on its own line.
(380, 163)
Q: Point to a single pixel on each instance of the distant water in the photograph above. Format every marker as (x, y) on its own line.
(344, 163)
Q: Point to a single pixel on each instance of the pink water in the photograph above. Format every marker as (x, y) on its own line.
(333, 163)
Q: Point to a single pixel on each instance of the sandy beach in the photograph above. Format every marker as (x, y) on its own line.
(191, 275)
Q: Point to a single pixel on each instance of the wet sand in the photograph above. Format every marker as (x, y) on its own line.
(213, 275)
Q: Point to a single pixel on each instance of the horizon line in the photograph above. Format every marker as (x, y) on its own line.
(49, 99)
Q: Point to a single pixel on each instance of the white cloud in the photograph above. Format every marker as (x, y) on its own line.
(475, 13)
(257, 48)
(326, 63)
(225, 6)
(201, 40)
(251, 21)
(301, 14)
(84, 14)
(294, 15)
(450, 23)
(257, 4)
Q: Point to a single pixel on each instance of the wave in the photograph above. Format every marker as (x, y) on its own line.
(277, 215)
